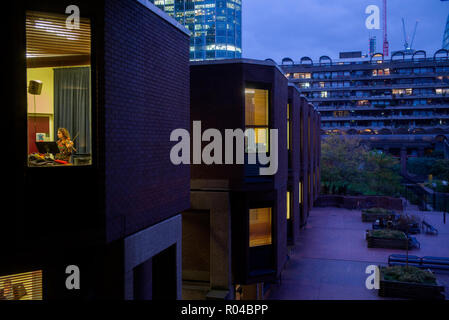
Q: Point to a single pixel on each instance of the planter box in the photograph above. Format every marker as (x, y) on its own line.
(410, 290)
(374, 242)
(373, 217)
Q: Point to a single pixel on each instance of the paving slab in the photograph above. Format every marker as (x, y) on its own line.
(331, 256)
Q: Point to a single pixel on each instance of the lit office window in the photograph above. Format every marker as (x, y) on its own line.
(257, 118)
(59, 91)
(300, 193)
(288, 205)
(22, 286)
(260, 227)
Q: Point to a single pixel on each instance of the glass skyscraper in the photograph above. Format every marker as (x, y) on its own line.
(215, 26)
(446, 35)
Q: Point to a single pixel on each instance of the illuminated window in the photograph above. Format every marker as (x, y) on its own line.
(409, 91)
(257, 118)
(300, 193)
(398, 91)
(302, 75)
(260, 227)
(324, 94)
(22, 286)
(288, 205)
(59, 91)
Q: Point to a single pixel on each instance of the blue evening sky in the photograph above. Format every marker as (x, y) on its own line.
(296, 28)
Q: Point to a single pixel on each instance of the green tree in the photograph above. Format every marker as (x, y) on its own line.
(348, 167)
(440, 169)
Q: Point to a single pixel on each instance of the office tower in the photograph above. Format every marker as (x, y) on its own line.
(215, 26)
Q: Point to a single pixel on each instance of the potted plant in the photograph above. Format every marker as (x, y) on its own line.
(388, 238)
(373, 214)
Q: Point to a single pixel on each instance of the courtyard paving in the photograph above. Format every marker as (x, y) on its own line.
(331, 256)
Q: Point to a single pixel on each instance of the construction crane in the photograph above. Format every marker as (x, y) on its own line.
(409, 45)
(386, 44)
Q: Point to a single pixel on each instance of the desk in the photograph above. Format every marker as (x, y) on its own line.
(47, 164)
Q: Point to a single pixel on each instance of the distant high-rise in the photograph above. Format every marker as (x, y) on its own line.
(446, 35)
(372, 46)
(215, 26)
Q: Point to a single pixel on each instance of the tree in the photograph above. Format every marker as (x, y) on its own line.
(341, 158)
(348, 167)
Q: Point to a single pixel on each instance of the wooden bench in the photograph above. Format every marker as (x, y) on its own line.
(428, 228)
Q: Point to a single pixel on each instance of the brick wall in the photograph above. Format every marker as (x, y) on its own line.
(146, 92)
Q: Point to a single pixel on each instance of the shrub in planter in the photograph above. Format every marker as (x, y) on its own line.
(387, 238)
(371, 215)
(408, 274)
(377, 211)
(409, 282)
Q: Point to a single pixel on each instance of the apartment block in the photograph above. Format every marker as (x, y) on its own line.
(235, 235)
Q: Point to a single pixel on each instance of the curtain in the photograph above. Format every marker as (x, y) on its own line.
(72, 104)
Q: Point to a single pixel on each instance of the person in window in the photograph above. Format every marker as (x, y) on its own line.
(65, 145)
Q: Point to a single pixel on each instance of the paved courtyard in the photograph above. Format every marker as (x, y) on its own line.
(331, 256)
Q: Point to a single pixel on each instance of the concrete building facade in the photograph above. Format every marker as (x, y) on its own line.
(390, 104)
(117, 217)
(235, 235)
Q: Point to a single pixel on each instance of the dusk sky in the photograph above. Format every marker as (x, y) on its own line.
(296, 28)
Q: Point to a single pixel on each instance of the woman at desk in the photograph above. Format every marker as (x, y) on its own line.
(65, 145)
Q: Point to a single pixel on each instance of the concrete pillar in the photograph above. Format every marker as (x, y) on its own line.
(218, 204)
(421, 152)
(404, 161)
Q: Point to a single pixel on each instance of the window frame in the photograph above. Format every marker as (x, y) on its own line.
(95, 34)
(269, 126)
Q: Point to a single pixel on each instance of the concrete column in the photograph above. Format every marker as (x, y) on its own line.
(218, 204)
(421, 152)
(404, 161)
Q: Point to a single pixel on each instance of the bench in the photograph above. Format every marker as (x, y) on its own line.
(427, 262)
(401, 260)
(435, 263)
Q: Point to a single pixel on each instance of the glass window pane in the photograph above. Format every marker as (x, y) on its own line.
(59, 91)
(288, 206)
(256, 140)
(260, 227)
(256, 107)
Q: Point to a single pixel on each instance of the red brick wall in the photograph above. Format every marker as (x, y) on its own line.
(146, 79)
